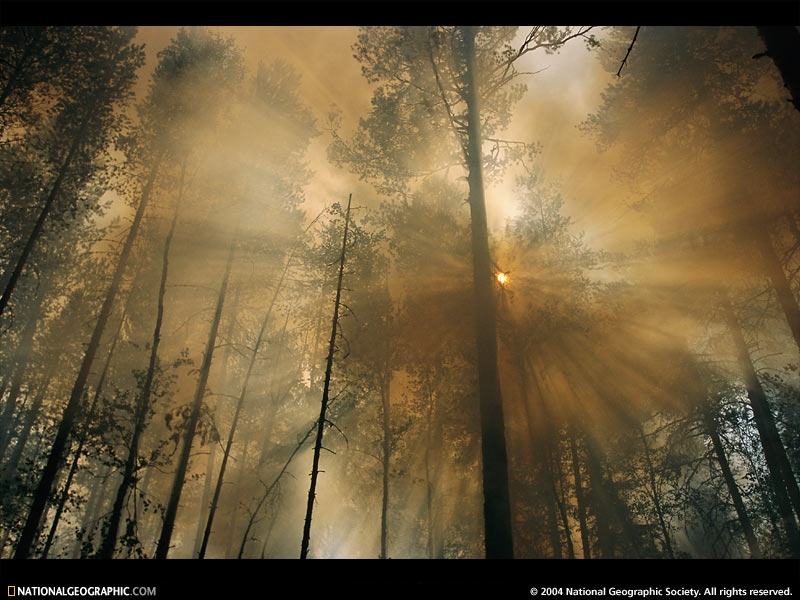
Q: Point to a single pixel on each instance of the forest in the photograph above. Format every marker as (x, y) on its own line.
(399, 292)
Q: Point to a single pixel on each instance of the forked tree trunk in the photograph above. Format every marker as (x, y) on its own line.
(191, 426)
(45, 486)
(323, 411)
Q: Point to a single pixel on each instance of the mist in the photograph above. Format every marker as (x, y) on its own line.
(398, 292)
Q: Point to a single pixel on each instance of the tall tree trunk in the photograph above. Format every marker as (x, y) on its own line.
(10, 279)
(783, 47)
(774, 452)
(143, 404)
(90, 515)
(730, 483)
(239, 404)
(212, 453)
(496, 503)
(42, 493)
(431, 475)
(312, 489)
(385, 459)
(541, 445)
(651, 478)
(579, 498)
(191, 426)
(780, 283)
(600, 502)
(27, 424)
(62, 501)
(23, 355)
(562, 510)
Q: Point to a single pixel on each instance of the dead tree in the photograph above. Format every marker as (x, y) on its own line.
(325, 390)
(194, 417)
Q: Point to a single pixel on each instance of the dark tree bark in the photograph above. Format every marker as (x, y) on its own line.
(541, 444)
(496, 500)
(92, 513)
(656, 495)
(733, 489)
(191, 426)
(268, 489)
(312, 489)
(783, 47)
(143, 404)
(212, 453)
(43, 490)
(27, 424)
(385, 459)
(780, 283)
(62, 501)
(10, 280)
(774, 451)
(562, 511)
(239, 404)
(579, 498)
(24, 351)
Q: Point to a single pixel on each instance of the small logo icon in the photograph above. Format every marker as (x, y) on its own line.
(12, 590)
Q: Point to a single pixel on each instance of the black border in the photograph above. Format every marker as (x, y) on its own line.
(396, 12)
(404, 578)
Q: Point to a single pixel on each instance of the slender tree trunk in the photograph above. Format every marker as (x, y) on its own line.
(143, 404)
(562, 510)
(733, 489)
(240, 481)
(651, 475)
(780, 283)
(10, 280)
(431, 475)
(191, 426)
(783, 47)
(325, 392)
(767, 431)
(27, 425)
(212, 454)
(251, 521)
(385, 459)
(43, 490)
(496, 503)
(24, 351)
(62, 501)
(600, 503)
(90, 515)
(541, 444)
(579, 499)
(239, 404)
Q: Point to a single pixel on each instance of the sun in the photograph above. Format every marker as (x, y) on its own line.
(503, 279)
